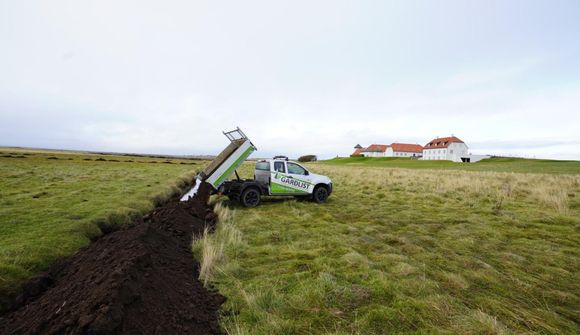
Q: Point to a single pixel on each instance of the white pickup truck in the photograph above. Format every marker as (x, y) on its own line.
(278, 177)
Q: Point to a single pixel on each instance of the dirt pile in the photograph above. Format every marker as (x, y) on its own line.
(140, 280)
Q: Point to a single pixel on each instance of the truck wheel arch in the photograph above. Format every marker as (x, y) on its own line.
(315, 196)
(250, 196)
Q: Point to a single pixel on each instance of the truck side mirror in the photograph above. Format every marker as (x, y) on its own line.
(306, 173)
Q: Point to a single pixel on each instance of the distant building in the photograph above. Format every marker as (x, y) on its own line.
(404, 150)
(389, 150)
(445, 148)
(474, 158)
(375, 150)
(358, 149)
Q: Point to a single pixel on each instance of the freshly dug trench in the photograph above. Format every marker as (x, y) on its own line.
(139, 280)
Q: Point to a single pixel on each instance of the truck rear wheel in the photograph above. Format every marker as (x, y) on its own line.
(320, 194)
(250, 197)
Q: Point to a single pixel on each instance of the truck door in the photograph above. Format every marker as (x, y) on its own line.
(288, 180)
(278, 172)
(300, 176)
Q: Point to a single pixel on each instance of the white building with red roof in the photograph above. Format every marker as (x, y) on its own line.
(389, 150)
(445, 148)
(404, 150)
(375, 150)
(442, 148)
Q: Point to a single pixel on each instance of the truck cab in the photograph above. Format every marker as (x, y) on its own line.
(276, 176)
(279, 177)
(284, 177)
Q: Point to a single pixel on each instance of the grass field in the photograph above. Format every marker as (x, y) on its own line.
(51, 204)
(404, 251)
(395, 250)
(492, 164)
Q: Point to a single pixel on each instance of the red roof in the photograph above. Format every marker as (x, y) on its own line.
(358, 152)
(376, 148)
(404, 147)
(442, 142)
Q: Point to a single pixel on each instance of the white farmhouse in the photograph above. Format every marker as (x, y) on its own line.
(445, 148)
(404, 150)
(375, 150)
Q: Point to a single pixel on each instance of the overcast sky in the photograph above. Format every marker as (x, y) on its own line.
(298, 77)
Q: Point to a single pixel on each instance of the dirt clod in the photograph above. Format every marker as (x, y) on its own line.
(139, 280)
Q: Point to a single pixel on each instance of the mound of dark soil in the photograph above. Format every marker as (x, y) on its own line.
(139, 280)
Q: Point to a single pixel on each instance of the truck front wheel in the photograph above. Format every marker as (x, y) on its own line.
(320, 194)
(250, 197)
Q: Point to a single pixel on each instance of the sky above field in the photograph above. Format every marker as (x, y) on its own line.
(299, 77)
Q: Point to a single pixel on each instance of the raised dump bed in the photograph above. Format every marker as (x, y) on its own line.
(225, 163)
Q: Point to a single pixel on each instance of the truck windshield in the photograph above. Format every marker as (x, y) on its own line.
(264, 166)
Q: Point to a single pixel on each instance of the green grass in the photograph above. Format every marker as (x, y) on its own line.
(436, 251)
(401, 251)
(51, 204)
(492, 164)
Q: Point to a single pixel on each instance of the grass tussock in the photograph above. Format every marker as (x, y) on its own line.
(401, 251)
(209, 249)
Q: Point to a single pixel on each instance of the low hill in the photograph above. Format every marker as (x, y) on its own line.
(492, 164)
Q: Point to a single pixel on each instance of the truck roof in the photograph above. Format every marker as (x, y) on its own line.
(275, 158)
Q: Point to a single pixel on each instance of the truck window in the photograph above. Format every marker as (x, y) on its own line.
(279, 167)
(296, 169)
(264, 166)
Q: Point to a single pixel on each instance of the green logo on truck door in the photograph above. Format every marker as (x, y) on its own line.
(295, 183)
(285, 184)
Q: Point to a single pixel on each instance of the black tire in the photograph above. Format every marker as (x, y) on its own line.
(250, 197)
(320, 194)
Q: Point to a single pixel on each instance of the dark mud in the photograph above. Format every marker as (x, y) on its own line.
(139, 280)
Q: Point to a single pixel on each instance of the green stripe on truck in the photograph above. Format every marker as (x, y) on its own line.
(304, 181)
(231, 169)
(277, 188)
